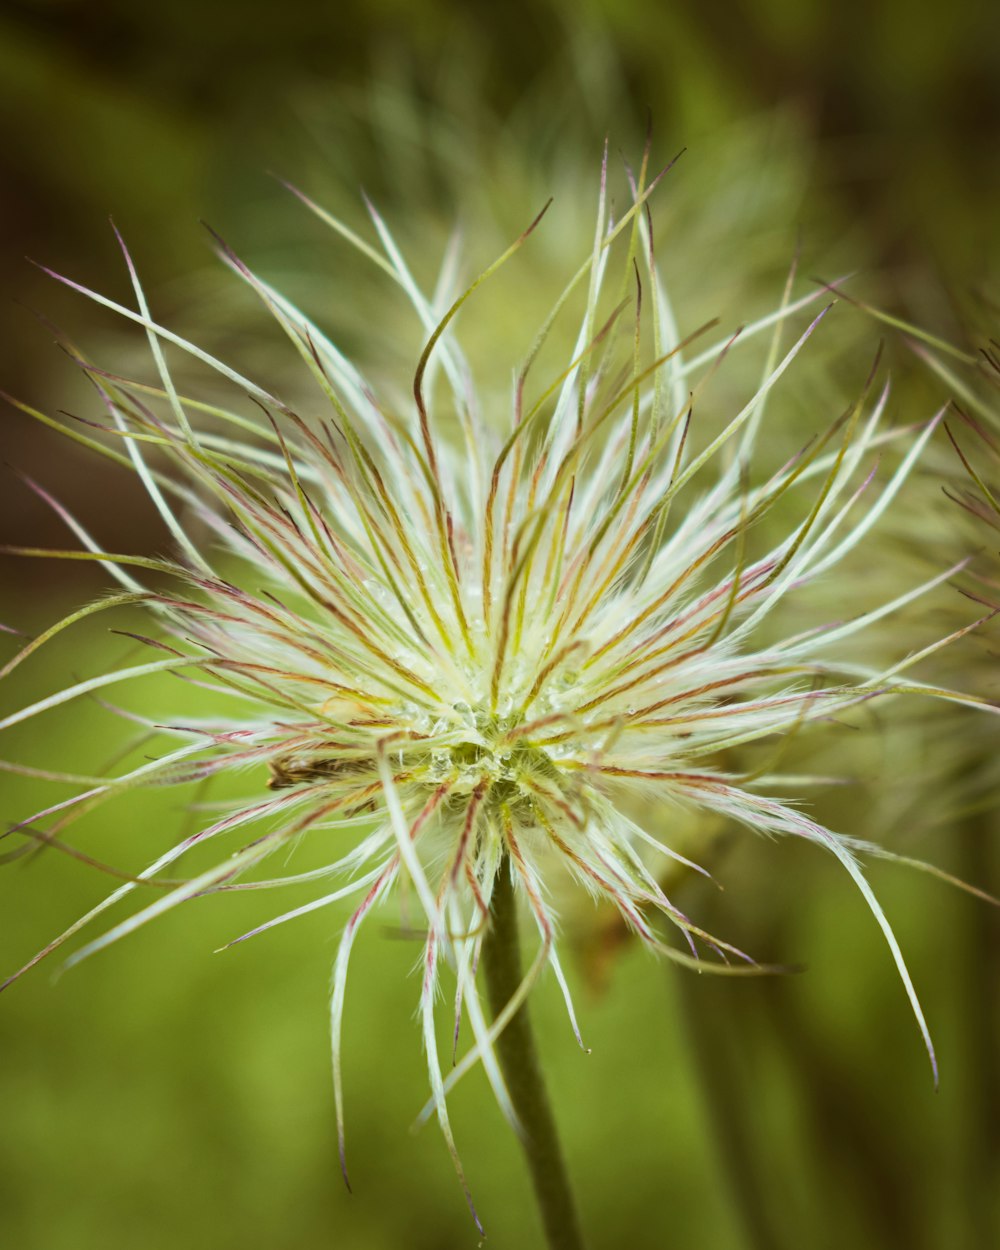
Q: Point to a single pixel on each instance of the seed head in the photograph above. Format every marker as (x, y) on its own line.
(456, 640)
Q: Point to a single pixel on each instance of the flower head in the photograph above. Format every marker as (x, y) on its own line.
(453, 640)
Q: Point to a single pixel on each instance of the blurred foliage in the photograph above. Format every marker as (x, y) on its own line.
(158, 1096)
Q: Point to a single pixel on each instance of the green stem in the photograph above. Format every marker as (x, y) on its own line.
(981, 939)
(522, 1072)
(737, 1151)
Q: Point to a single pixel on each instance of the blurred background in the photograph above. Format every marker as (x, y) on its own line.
(162, 1096)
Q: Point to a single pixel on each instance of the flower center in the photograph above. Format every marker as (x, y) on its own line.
(492, 759)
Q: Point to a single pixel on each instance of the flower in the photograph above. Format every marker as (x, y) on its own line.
(471, 644)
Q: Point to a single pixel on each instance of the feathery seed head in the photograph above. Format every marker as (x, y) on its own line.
(473, 643)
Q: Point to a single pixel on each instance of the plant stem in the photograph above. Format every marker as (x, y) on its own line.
(736, 1147)
(522, 1072)
(981, 938)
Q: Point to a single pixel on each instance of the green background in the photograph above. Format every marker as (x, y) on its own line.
(163, 1096)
